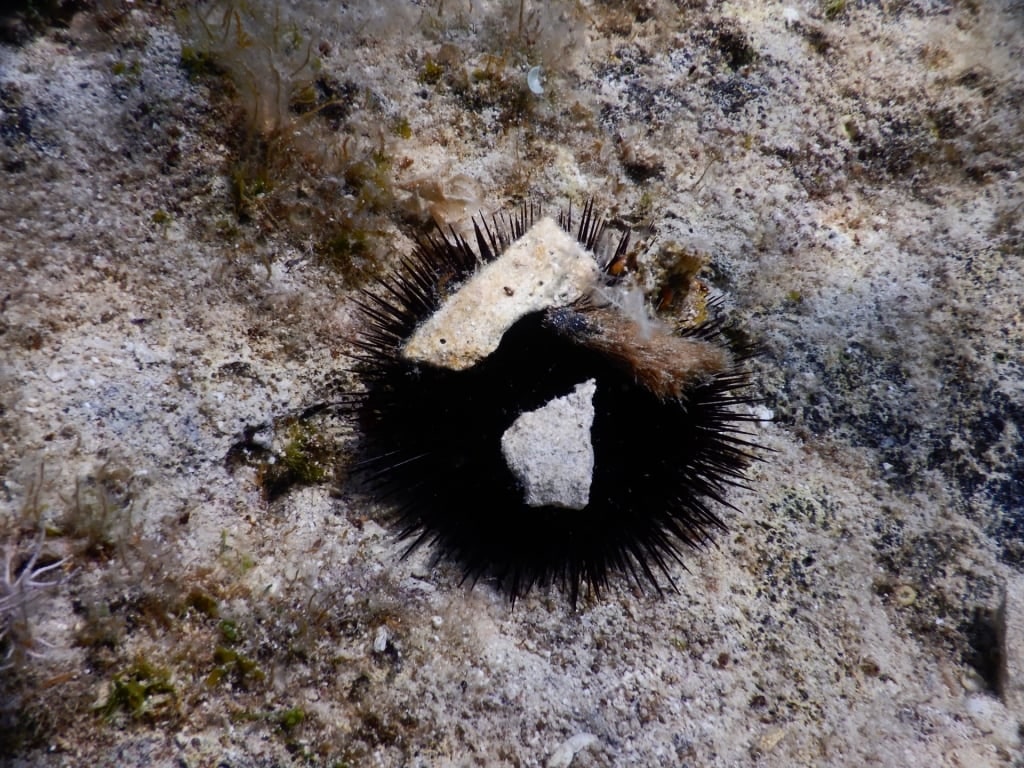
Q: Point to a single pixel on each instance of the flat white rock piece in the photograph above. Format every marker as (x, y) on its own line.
(544, 268)
(550, 452)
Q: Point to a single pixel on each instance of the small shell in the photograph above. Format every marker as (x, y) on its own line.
(533, 80)
(905, 595)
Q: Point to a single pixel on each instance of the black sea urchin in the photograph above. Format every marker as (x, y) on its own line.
(527, 426)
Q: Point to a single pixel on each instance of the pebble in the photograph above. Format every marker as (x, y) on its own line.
(566, 751)
(380, 642)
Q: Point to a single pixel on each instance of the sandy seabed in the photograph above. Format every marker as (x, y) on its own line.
(188, 201)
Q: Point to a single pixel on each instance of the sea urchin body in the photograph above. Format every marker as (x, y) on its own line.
(527, 427)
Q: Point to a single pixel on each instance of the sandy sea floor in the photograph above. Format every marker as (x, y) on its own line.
(191, 195)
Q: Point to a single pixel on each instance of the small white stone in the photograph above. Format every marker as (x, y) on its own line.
(544, 268)
(380, 641)
(147, 355)
(562, 757)
(550, 452)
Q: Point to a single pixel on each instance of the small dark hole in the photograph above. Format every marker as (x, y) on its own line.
(984, 652)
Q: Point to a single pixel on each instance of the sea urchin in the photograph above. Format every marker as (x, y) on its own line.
(528, 426)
